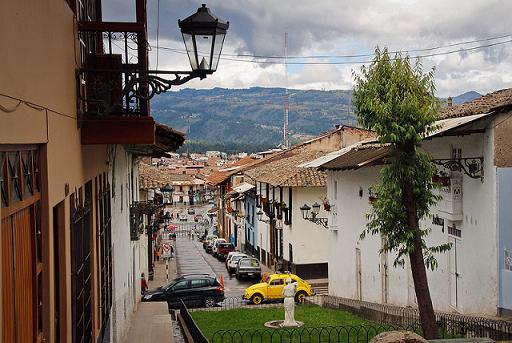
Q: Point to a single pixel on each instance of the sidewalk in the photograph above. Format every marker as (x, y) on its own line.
(152, 321)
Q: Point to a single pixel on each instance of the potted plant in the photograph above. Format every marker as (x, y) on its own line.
(372, 195)
(327, 205)
(444, 179)
(435, 178)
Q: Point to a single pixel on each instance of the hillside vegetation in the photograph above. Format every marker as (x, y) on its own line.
(251, 119)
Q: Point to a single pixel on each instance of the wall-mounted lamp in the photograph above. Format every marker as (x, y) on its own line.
(260, 217)
(311, 214)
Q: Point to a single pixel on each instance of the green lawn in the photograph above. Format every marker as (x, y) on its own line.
(253, 319)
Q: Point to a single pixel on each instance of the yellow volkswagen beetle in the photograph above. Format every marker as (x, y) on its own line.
(272, 289)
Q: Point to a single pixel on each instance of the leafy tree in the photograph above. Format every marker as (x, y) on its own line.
(396, 99)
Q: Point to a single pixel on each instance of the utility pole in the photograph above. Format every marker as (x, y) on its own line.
(285, 127)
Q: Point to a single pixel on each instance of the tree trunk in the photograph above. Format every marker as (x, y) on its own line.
(419, 272)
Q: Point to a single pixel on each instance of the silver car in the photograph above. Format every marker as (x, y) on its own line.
(248, 267)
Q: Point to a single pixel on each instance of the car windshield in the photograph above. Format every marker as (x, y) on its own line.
(237, 257)
(246, 262)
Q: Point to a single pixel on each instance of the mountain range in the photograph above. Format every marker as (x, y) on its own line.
(251, 119)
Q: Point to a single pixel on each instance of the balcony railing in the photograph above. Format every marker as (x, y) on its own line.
(118, 58)
(113, 96)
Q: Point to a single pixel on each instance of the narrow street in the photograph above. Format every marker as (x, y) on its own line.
(191, 258)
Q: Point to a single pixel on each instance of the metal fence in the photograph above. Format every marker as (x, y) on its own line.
(230, 303)
(386, 317)
(184, 229)
(192, 327)
(450, 324)
(339, 334)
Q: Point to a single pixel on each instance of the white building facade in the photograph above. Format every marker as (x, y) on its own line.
(474, 277)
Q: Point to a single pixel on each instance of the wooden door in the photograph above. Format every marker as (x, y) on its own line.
(21, 245)
(359, 279)
(453, 272)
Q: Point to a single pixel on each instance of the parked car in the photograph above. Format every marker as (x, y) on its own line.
(272, 289)
(198, 217)
(216, 245)
(209, 246)
(194, 289)
(183, 217)
(248, 267)
(232, 261)
(207, 240)
(230, 254)
(191, 211)
(224, 249)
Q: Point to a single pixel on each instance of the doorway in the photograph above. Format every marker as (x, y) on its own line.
(359, 279)
(59, 279)
(453, 272)
(384, 273)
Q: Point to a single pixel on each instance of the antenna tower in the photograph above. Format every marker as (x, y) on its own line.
(285, 127)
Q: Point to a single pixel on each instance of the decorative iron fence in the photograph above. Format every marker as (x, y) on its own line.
(192, 328)
(327, 334)
(230, 303)
(450, 324)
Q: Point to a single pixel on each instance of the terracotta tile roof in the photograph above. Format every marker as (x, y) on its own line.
(284, 170)
(150, 177)
(219, 177)
(487, 103)
(153, 177)
(245, 163)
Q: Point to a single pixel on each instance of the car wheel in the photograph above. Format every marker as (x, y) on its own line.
(300, 296)
(209, 302)
(256, 299)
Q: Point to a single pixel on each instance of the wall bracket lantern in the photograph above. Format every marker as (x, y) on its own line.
(203, 35)
(260, 217)
(311, 214)
(471, 166)
(116, 76)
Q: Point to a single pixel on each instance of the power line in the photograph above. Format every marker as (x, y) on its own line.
(370, 61)
(351, 55)
(32, 105)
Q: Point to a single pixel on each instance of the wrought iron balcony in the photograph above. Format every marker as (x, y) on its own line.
(113, 55)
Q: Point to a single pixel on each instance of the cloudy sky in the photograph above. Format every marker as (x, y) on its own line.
(320, 31)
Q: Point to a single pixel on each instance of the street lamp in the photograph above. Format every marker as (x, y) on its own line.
(260, 215)
(315, 209)
(167, 190)
(313, 215)
(305, 211)
(203, 34)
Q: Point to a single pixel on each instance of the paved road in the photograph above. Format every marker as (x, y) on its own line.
(191, 258)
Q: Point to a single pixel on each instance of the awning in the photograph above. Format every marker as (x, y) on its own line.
(243, 187)
(370, 151)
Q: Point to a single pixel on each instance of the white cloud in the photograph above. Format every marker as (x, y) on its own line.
(333, 27)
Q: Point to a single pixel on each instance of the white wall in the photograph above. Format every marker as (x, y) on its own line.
(476, 250)
(129, 258)
(308, 239)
